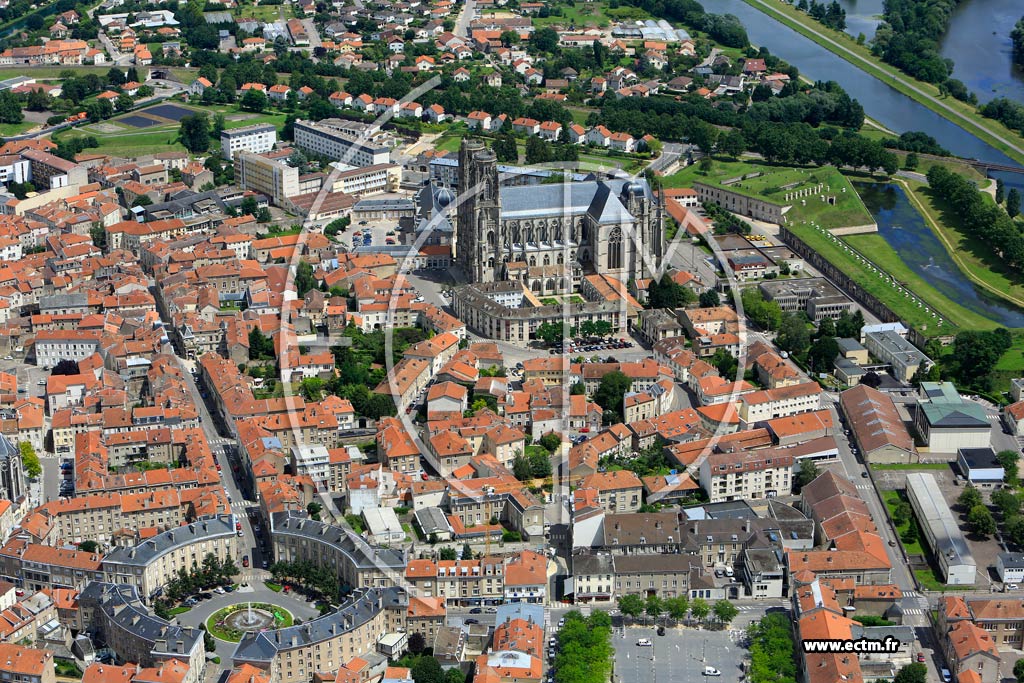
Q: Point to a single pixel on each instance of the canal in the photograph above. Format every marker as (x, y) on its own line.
(978, 42)
(904, 229)
(883, 103)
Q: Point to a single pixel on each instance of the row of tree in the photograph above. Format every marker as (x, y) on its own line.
(318, 580)
(981, 219)
(211, 573)
(678, 608)
(584, 649)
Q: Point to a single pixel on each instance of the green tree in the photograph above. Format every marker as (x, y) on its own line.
(260, 346)
(725, 363)
(194, 133)
(732, 144)
(545, 40)
(793, 335)
(823, 353)
(912, 673)
(765, 314)
(981, 521)
(654, 606)
(454, 675)
(313, 509)
(1009, 460)
(1013, 202)
(667, 293)
(447, 554)
(805, 474)
(1007, 501)
(254, 100)
(209, 642)
(551, 442)
(709, 298)
(725, 611)
(29, 460)
(304, 278)
(911, 162)
(537, 151)
(699, 609)
(677, 607)
(427, 670)
(631, 605)
(552, 333)
(89, 546)
(610, 392)
(1000, 191)
(1018, 666)
(969, 498)
(124, 102)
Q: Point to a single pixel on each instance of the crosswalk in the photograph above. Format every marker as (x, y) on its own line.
(220, 441)
(240, 505)
(863, 487)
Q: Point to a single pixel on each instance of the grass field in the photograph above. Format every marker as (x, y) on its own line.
(597, 14)
(448, 143)
(873, 284)
(127, 141)
(973, 256)
(774, 182)
(15, 128)
(892, 499)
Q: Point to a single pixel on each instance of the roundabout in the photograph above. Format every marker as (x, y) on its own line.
(231, 623)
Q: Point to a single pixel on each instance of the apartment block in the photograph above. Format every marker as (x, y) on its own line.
(256, 139)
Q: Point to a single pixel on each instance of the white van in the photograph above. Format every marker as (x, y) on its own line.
(711, 671)
(644, 642)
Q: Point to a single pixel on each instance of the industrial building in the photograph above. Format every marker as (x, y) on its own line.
(941, 530)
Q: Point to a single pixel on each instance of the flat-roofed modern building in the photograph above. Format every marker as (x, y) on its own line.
(272, 177)
(946, 422)
(257, 139)
(350, 142)
(152, 563)
(980, 466)
(900, 355)
(815, 296)
(941, 530)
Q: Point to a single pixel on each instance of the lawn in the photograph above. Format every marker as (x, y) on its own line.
(773, 183)
(218, 629)
(276, 587)
(973, 256)
(892, 499)
(448, 143)
(872, 283)
(181, 609)
(597, 14)
(875, 246)
(7, 129)
(130, 142)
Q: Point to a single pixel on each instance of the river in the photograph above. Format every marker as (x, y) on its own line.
(903, 228)
(987, 71)
(883, 103)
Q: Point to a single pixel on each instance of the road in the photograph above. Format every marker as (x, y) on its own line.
(465, 16)
(893, 77)
(255, 592)
(225, 451)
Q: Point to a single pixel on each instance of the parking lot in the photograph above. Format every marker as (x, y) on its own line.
(680, 656)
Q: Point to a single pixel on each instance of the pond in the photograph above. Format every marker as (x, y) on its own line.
(905, 230)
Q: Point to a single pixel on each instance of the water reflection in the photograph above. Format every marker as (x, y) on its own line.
(903, 228)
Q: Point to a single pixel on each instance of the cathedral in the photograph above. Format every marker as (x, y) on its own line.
(550, 236)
